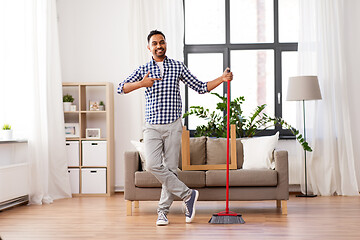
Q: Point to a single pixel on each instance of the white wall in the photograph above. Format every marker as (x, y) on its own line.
(94, 48)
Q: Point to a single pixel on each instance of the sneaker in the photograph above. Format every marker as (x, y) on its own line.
(162, 219)
(190, 206)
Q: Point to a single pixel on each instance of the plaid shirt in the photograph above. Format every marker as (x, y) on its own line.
(163, 100)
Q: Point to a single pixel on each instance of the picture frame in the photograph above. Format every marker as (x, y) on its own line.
(72, 130)
(94, 105)
(93, 133)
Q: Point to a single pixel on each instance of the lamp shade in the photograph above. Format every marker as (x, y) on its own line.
(303, 88)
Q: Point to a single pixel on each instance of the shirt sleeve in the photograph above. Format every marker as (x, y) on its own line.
(134, 77)
(190, 80)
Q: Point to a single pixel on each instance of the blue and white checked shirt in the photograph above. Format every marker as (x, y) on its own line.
(163, 100)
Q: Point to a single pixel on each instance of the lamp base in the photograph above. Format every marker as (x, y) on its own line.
(306, 195)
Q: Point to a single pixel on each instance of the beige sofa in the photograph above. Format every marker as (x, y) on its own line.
(245, 184)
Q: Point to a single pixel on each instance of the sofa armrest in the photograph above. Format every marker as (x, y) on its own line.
(131, 166)
(281, 166)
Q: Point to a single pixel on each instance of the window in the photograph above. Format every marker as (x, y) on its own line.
(257, 39)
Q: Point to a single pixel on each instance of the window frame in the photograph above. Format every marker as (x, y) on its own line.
(276, 46)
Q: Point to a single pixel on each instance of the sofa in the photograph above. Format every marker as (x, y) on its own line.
(245, 184)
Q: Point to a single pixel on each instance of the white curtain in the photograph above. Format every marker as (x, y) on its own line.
(331, 165)
(146, 15)
(36, 85)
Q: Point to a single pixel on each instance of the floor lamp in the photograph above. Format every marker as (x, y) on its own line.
(303, 88)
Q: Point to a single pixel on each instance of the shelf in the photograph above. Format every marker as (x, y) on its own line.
(93, 111)
(93, 167)
(87, 167)
(85, 139)
(84, 92)
(72, 112)
(93, 139)
(72, 139)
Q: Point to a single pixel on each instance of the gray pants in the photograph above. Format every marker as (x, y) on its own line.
(162, 150)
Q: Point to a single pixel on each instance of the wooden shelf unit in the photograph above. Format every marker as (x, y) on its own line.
(107, 117)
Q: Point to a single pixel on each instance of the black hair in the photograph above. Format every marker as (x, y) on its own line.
(154, 32)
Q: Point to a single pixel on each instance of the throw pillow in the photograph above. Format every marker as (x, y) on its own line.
(216, 151)
(258, 152)
(197, 150)
(141, 149)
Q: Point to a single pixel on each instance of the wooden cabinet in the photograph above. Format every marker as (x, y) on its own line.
(92, 178)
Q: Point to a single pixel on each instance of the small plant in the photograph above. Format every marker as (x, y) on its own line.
(68, 98)
(101, 103)
(245, 126)
(6, 127)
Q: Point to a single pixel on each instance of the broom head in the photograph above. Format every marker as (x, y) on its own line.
(226, 218)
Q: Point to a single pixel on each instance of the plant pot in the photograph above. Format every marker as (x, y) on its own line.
(101, 108)
(7, 134)
(67, 106)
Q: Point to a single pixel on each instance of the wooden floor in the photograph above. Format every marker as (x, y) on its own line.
(105, 218)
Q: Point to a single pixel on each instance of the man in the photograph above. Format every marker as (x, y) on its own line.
(162, 132)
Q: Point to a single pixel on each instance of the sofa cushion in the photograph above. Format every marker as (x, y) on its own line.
(216, 151)
(258, 152)
(242, 178)
(192, 179)
(139, 145)
(197, 151)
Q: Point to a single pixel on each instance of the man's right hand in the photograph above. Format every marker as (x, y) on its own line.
(147, 81)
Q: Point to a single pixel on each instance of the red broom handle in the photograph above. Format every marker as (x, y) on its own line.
(227, 144)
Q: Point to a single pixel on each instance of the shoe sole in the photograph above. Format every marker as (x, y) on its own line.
(162, 224)
(189, 220)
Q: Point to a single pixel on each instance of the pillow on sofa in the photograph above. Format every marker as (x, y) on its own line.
(258, 152)
(216, 151)
(139, 145)
(197, 150)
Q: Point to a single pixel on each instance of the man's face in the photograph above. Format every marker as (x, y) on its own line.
(157, 46)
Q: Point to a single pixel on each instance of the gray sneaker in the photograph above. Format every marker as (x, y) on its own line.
(162, 219)
(190, 206)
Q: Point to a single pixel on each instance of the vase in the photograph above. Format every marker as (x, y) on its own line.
(7, 134)
(67, 106)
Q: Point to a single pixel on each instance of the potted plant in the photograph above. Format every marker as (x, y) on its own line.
(67, 101)
(7, 132)
(102, 106)
(245, 126)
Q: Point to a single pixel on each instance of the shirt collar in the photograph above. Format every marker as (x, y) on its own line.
(153, 62)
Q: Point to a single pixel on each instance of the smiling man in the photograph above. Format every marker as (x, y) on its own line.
(162, 131)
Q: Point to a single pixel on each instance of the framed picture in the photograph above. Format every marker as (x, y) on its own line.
(93, 133)
(72, 130)
(94, 105)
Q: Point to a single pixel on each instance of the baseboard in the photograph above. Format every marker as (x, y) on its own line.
(119, 188)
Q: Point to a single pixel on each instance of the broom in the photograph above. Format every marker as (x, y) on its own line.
(227, 217)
